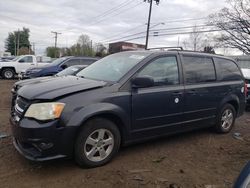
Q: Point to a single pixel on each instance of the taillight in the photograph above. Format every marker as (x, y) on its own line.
(245, 89)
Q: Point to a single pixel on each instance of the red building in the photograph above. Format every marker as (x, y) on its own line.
(124, 46)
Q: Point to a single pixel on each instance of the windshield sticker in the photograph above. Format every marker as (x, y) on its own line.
(137, 56)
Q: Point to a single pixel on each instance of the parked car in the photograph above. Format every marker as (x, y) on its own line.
(70, 71)
(244, 64)
(56, 66)
(243, 181)
(7, 58)
(125, 98)
(9, 69)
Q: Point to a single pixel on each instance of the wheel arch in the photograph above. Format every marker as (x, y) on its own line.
(9, 67)
(103, 110)
(233, 100)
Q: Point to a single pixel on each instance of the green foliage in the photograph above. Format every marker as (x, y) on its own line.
(11, 43)
(83, 47)
(52, 52)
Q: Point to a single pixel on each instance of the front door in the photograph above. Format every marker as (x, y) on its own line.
(25, 63)
(158, 107)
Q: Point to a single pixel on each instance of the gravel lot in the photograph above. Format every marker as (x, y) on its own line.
(195, 159)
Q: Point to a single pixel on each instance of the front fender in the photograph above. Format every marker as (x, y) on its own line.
(100, 109)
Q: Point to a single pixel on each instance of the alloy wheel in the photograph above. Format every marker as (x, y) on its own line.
(227, 119)
(99, 145)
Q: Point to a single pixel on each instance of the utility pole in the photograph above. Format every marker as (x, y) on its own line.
(15, 43)
(33, 45)
(34, 48)
(18, 38)
(149, 19)
(56, 33)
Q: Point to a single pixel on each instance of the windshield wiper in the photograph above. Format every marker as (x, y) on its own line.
(81, 76)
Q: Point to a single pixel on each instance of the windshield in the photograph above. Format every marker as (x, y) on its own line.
(113, 67)
(58, 61)
(244, 64)
(16, 58)
(69, 71)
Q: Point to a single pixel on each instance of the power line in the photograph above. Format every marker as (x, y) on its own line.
(177, 33)
(105, 18)
(167, 21)
(118, 34)
(157, 30)
(114, 8)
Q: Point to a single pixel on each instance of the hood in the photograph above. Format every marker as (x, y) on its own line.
(21, 83)
(57, 86)
(6, 63)
(246, 73)
(43, 67)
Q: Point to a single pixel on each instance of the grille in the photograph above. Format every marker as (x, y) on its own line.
(20, 105)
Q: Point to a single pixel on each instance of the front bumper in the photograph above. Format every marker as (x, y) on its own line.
(42, 141)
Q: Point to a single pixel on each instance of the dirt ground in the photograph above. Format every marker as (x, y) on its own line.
(195, 159)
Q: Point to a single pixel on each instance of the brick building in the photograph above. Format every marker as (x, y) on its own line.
(124, 46)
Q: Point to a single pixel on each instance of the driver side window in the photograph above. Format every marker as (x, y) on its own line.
(163, 70)
(26, 59)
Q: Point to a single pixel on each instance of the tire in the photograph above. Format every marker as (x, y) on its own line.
(8, 73)
(97, 143)
(226, 119)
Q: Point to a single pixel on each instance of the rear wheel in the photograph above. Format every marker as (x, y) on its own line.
(226, 119)
(97, 143)
(8, 73)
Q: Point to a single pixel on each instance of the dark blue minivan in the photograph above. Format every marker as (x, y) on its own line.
(125, 98)
(56, 66)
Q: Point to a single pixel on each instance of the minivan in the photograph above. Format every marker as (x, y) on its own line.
(125, 98)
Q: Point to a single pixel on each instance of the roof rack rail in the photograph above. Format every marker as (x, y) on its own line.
(167, 48)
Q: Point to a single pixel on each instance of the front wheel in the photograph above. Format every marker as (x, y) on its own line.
(97, 143)
(226, 119)
(8, 73)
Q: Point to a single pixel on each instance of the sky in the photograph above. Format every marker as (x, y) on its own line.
(104, 21)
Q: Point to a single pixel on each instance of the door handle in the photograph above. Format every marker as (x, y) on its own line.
(177, 93)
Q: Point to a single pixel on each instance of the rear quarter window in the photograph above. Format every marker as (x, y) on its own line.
(227, 70)
(198, 69)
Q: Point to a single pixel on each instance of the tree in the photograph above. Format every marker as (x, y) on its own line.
(194, 41)
(235, 24)
(17, 40)
(25, 50)
(209, 49)
(52, 52)
(100, 50)
(85, 45)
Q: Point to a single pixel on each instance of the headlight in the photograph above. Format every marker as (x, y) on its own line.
(45, 111)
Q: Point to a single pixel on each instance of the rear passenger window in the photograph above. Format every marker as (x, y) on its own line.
(163, 70)
(87, 61)
(72, 62)
(198, 69)
(227, 70)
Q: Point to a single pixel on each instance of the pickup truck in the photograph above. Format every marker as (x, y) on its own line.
(9, 69)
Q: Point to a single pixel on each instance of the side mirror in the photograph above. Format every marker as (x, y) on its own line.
(64, 66)
(142, 82)
(21, 61)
